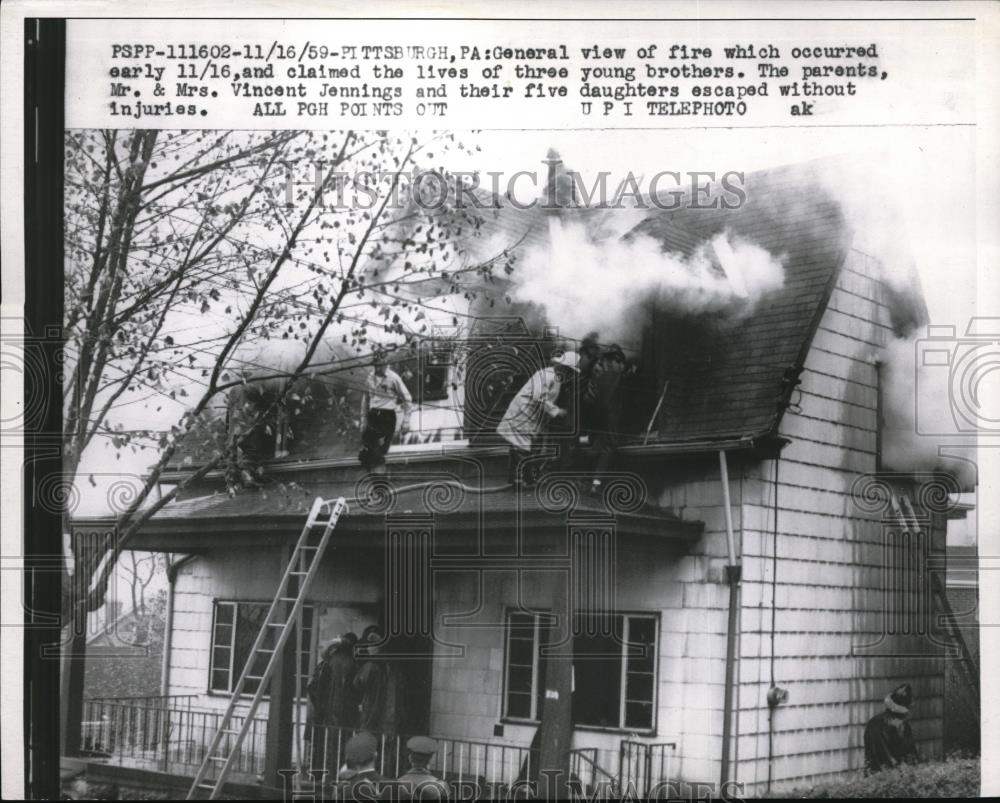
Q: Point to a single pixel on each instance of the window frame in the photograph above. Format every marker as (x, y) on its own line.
(622, 727)
(536, 649)
(308, 648)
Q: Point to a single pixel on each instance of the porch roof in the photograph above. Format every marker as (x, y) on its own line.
(260, 516)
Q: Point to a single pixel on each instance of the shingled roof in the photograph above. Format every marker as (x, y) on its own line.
(729, 376)
(469, 510)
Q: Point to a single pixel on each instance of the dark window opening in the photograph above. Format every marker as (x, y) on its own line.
(614, 671)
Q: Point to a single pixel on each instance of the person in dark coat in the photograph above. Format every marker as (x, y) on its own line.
(378, 683)
(888, 736)
(332, 699)
(601, 400)
(418, 782)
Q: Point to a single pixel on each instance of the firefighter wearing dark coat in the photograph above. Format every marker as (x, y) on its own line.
(888, 736)
(601, 406)
(418, 782)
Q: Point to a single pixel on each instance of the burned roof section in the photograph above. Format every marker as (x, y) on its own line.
(730, 376)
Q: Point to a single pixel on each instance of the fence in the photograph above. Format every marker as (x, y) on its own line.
(494, 767)
(642, 766)
(164, 734)
(170, 735)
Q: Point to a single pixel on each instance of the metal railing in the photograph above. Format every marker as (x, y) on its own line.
(495, 767)
(163, 736)
(642, 766)
(169, 734)
(587, 775)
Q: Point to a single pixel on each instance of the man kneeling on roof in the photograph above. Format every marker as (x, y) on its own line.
(531, 410)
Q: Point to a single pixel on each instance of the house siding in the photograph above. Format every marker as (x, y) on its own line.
(808, 614)
(467, 690)
(253, 576)
(811, 595)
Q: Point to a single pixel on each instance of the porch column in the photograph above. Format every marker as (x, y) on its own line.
(556, 728)
(71, 689)
(582, 597)
(409, 616)
(408, 605)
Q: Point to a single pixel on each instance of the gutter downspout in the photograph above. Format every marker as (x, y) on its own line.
(734, 571)
(169, 626)
(165, 669)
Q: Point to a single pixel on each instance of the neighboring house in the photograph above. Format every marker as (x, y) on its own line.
(962, 705)
(764, 455)
(125, 658)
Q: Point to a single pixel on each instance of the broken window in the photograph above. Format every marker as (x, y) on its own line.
(614, 671)
(235, 627)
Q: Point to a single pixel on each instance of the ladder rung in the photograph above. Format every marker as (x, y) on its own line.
(302, 564)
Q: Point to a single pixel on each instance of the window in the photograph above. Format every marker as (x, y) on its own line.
(614, 671)
(234, 630)
(525, 670)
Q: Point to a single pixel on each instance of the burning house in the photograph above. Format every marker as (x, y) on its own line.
(732, 606)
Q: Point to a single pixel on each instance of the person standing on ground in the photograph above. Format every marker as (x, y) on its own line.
(384, 392)
(888, 736)
(359, 780)
(418, 782)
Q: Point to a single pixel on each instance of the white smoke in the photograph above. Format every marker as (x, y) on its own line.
(591, 283)
(880, 198)
(918, 415)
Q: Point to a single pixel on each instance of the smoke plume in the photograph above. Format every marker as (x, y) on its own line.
(917, 414)
(587, 281)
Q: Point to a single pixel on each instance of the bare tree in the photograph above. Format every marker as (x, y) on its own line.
(140, 569)
(184, 248)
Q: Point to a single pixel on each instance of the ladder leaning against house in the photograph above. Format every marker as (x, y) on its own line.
(282, 616)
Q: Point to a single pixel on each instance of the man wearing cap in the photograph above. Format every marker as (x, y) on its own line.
(888, 737)
(384, 392)
(359, 780)
(418, 782)
(533, 407)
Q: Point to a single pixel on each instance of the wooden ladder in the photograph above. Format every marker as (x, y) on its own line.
(282, 617)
